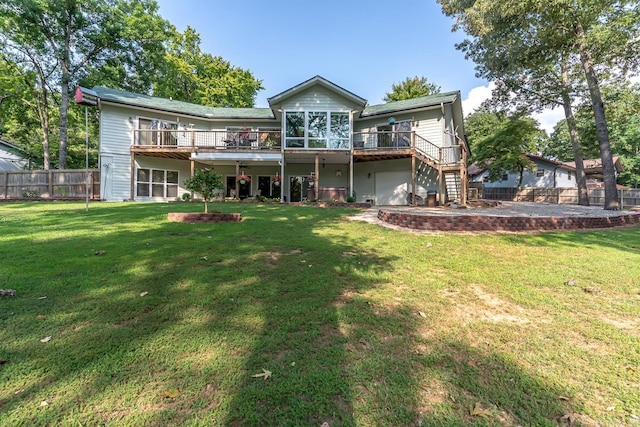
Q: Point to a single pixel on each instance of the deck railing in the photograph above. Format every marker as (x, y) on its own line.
(379, 141)
(272, 140)
(178, 138)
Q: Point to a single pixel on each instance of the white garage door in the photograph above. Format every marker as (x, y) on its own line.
(392, 187)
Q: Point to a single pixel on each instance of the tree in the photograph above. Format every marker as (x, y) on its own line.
(500, 142)
(206, 183)
(537, 47)
(623, 110)
(190, 75)
(411, 87)
(58, 40)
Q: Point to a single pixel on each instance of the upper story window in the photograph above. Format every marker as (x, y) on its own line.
(317, 130)
(540, 172)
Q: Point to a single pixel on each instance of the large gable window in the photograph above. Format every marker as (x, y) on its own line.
(317, 130)
(295, 129)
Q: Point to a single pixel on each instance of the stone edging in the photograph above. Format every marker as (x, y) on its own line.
(204, 217)
(503, 223)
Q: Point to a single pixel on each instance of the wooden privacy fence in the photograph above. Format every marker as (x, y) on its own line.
(628, 197)
(51, 184)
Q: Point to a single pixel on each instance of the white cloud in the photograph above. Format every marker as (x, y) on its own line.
(476, 97)
(549, 117)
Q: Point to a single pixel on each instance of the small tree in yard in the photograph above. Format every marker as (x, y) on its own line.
(205, 182)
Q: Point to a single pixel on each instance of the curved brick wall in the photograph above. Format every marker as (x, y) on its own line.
(503, 223)
(204, 217)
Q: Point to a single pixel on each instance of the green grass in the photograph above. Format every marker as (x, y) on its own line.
(359, 324)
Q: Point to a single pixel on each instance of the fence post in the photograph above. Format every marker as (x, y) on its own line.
(6, 184)
(50, 184)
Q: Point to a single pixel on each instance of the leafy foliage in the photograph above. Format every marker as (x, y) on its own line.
(205, 182)
(500, 143)
(552, 52)
(48, 47)
(411, 87)
(190, 75)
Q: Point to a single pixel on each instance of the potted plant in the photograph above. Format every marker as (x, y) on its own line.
(311, 179)
(276, 180)
(243, 179)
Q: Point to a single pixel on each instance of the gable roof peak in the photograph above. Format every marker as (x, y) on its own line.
(313, 81)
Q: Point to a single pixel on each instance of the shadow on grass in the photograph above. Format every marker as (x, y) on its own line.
(225, 302)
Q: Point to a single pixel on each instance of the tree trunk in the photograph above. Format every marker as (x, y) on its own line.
(611, 201)
(521, 176)
(581, 179)
(64, 119)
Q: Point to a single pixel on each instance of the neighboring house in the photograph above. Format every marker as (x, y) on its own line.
(545, 173)
(315, 141)
(593, 170)
(11, 158)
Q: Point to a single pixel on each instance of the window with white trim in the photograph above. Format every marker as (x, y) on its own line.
(156, 183)
(317, 130)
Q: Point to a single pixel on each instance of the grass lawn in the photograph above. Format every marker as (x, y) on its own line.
(159, 323)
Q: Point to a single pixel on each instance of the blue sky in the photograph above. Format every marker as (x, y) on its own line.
(363, 46)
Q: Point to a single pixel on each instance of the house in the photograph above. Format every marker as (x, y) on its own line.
(316, 140)
(11, 158)
(593, 170)
(545, 173)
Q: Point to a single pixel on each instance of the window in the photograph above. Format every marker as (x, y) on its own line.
(317, 129)
(505, 177)
(569, 176)
(156, 183)
(156, 132)
(540, 172)
(339, 131)
(295, 130)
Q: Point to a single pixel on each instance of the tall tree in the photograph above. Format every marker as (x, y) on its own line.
(411, 87)
(188, 74)
(27, 101)
(58, 40)
(540, 43)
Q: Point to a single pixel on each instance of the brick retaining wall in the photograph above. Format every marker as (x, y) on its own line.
(204, 217)
(503, 223)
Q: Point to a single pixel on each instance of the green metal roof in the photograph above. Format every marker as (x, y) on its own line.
(145, 101)
(410, 104)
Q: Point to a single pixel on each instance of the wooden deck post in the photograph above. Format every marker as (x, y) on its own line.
(237, 182)
(192, 172)
(413, 179)
(133, 176)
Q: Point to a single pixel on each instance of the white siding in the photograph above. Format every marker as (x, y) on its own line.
(366, 173)
(430, 127)
(427, 124)
(317, 98)
(530, 178)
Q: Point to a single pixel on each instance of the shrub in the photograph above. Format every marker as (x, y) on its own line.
(205, 182)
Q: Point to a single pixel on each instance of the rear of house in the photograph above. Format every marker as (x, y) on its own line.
(316, 140)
